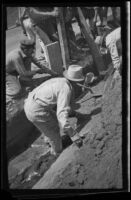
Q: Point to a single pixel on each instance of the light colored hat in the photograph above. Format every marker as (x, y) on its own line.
(74, 73)
(98, 40)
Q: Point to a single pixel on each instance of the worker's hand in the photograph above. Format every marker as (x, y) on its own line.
(76, 139)
(116, 76)
(79, 142)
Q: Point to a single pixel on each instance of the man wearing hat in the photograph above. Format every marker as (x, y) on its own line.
(18, 67)
(55, 93)
(112, 42)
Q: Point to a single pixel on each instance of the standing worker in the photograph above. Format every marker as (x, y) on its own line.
(40, 104)
(112, 42)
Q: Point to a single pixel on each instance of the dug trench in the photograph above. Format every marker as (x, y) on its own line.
(96, 165)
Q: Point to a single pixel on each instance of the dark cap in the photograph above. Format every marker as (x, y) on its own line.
(26, 43)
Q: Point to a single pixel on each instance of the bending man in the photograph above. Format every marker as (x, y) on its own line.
(54, 93)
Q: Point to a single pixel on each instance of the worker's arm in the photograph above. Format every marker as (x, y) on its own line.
(63, 109)
(53, 13)
(43, 68)
(22, 14)
(111, 45)
(20, 68)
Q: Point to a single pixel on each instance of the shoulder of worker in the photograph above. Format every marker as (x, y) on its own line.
(116, 33)
(65, 82)
(13, 55)
(62, 83)
(113, 35)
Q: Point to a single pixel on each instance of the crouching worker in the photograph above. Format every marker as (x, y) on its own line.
(59, 93)
(112, 42)
(18, 67)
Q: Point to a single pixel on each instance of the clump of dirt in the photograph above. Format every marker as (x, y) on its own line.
(98, 163)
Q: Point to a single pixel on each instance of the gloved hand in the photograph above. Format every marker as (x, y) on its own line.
(76, 139)
(79, 142)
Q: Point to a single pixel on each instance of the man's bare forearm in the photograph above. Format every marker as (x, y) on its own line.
(43, 67)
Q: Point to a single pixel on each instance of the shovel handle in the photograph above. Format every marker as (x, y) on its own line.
(85, 87)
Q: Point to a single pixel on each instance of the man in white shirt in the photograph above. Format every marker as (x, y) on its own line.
(55, 93)
(112, 42)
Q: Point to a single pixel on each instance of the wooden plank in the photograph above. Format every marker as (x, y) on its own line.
(54, 57)
(97, 57)
(62, 38)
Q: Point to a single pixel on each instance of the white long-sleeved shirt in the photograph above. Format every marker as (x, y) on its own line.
(56, 92)
(113, 43)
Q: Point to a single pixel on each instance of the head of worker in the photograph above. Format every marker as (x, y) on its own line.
(74, 74)
(27, 46)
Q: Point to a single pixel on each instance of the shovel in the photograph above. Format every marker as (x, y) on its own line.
(108, 76)
(91, 91)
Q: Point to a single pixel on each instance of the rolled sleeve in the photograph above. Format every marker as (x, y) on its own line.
(42, 66)
(63, 108)
(111, 45)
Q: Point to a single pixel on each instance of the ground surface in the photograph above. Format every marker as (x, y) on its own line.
(97, 164)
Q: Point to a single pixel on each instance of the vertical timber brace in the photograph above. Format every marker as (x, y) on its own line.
(62, 38)
(97, 57)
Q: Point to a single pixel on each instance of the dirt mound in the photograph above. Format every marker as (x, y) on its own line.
(98, 163)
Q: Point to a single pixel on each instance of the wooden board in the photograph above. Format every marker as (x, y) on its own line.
(93, 47)
(62, 38)
(54, 58)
